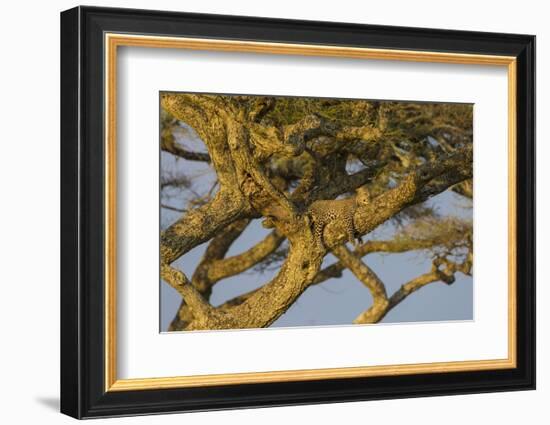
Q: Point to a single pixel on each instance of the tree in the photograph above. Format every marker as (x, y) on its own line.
(284, 159)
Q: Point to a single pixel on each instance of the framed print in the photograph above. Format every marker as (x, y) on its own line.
(261, 212)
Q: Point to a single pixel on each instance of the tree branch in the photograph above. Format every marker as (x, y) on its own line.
(365, 275)
(249, 167)
(269, 302)
(201, 224)
(236, 264)
(199, 307)
(444, 274)
(369, 247)
(426, 181)
(205, 114)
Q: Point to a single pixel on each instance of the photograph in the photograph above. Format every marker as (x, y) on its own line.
(311, 211)
(292, 209)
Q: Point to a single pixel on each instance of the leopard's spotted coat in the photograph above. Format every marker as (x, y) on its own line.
(324, 212)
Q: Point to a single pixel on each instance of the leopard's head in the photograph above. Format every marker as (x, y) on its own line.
(363, 196)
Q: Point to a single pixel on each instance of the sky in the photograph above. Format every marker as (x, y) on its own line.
(336, 301)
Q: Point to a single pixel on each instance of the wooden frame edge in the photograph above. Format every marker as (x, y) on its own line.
(113, 40)
(306, 375)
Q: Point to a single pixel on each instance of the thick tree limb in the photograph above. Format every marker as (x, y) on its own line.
(205, 114)
(201, 224)
(213, 267)
(273, 299)
(416, 187)
(216, 250)
(269, 302)
(365, 275)
(236, 264)
(199, 307)
(249, 167)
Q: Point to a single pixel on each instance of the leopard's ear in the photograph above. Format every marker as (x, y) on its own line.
(363, 195)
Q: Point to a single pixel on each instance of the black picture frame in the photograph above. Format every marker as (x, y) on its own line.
(82, 212)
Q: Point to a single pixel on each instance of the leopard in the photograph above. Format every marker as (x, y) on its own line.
(323, 212)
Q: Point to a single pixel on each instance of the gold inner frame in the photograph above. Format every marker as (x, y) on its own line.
(113, 41)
